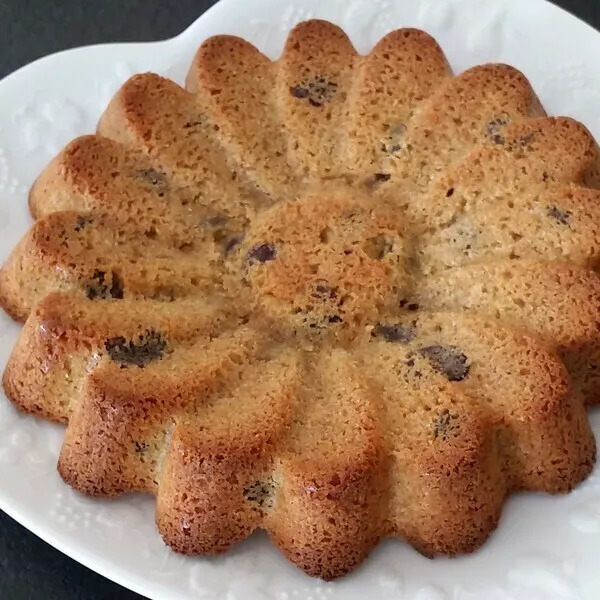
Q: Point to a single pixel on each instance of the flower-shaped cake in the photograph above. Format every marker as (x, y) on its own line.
(337, 297)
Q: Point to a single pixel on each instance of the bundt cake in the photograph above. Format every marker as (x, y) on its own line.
(336, 297)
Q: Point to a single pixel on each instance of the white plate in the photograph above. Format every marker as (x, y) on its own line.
(544, 549)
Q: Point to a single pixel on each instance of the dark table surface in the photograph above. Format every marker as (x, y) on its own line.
(29, 568)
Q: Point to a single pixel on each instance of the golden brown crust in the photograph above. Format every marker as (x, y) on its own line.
(461, 111)
(406, 65)
(332, 503)
(97, 174)
(127, 412)
(156, 116)
(64, 337)
(336, 262)
(335, 297)
(560, 302)
(217, 483)
(314, 77)
(232, 80)
(555, 221)
(104, 259)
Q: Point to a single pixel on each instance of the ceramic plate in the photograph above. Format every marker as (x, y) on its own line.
(545, 548)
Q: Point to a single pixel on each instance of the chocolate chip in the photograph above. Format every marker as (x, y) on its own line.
(450, 193)
(495, 127)
(448, 360)
(151, 233)
(378, 179)
(100, 289)
(191, 124)
(335, 319)
(299, 92)
(141, 351)
(319, 91)
(82, 223)
(153, 176)
(382, 177)
(561, 216)
(260, 493)
(117, 288)
(398, 334)
(413, 307)
(444, 424)
(262, 253)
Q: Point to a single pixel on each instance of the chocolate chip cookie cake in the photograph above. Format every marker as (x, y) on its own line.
(335, 297)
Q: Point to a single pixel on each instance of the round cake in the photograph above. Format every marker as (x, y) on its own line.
(336, 297)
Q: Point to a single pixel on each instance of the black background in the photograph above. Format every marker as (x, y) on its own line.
(29, 568)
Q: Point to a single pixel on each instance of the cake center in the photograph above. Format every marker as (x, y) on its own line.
(327, 260)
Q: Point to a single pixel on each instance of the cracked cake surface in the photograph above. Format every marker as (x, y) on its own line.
(335, 297)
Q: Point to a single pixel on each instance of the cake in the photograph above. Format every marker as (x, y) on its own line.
(336, 297)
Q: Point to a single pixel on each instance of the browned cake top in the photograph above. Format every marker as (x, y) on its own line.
(338, 297)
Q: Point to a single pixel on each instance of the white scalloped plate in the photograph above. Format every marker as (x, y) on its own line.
(545, 548)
